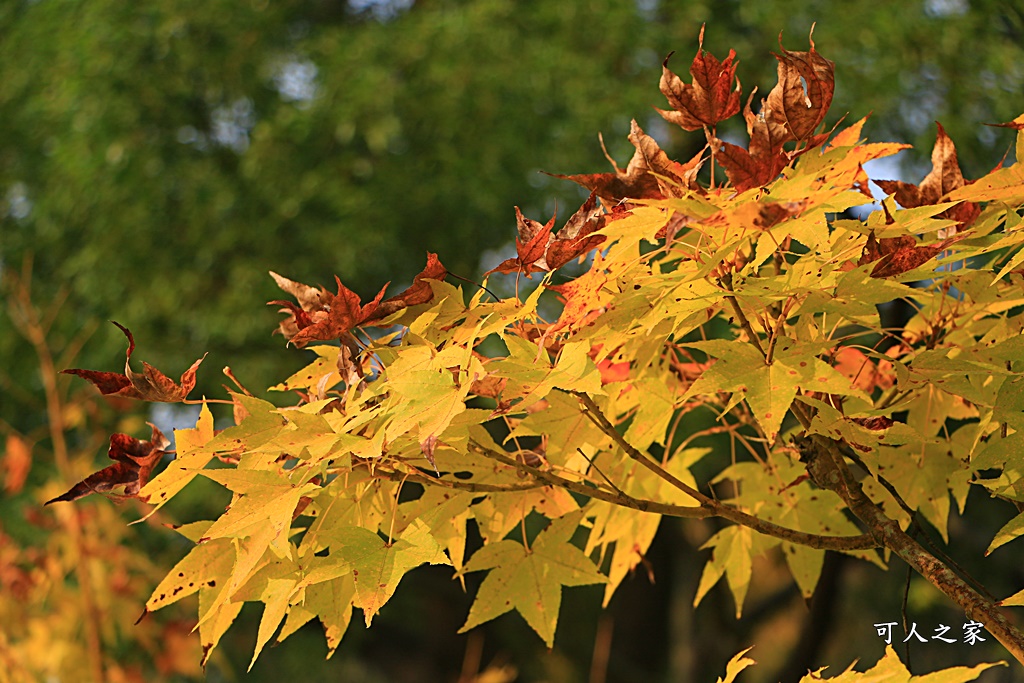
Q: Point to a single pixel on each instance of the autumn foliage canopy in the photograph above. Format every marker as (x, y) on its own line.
(736, 284)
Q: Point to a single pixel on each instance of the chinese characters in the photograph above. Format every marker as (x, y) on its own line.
(971, 633)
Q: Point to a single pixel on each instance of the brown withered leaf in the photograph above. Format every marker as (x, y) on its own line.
(898, 255)
(427, 448)
(803, 94)
(875, 424)
(531, 245)
(320, 315)
(633, 182)
(576, 237)
(944, 177)
(674, 179)
(710, 98)
(419, 292)
(134, 461)
(764, 157)
(792, 111)
(640, 179)
(745, 170)
(311, 299)
(489, 386)
(148, 385)
(538, 250)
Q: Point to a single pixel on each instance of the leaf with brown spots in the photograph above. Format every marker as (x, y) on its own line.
(134, 461)
(148, 385)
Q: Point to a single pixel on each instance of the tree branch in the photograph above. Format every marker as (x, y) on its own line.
(708, 506)
(827, 468)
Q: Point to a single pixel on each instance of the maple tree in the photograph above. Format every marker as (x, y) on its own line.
(753, 299)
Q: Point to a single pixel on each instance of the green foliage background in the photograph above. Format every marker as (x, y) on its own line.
(155, 163)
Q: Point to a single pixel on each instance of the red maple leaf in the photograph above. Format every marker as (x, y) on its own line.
(710, 98)
(898, 255)
(134, 461)
(148, 385)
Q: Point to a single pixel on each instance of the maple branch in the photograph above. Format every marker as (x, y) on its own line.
(593, 411)
(591, 491)
(472, 487)
(714, 508)
(828, 470)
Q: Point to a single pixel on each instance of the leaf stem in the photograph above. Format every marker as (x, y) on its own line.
(726, 282)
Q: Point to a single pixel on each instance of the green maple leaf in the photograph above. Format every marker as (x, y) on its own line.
(769, 388)
(531, 579)
(377, 566)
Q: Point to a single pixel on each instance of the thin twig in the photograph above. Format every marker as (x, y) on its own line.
(26, 318)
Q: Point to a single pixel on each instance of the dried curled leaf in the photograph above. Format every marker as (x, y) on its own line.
(801, 98)
(538, 250)
(418, 293)
(650, 174)
(134, 461)
(148, 385)
(792, 112)
(323, 316)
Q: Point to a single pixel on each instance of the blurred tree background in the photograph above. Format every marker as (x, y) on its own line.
(157, 159)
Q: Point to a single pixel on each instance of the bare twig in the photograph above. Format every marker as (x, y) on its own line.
(30, 324)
